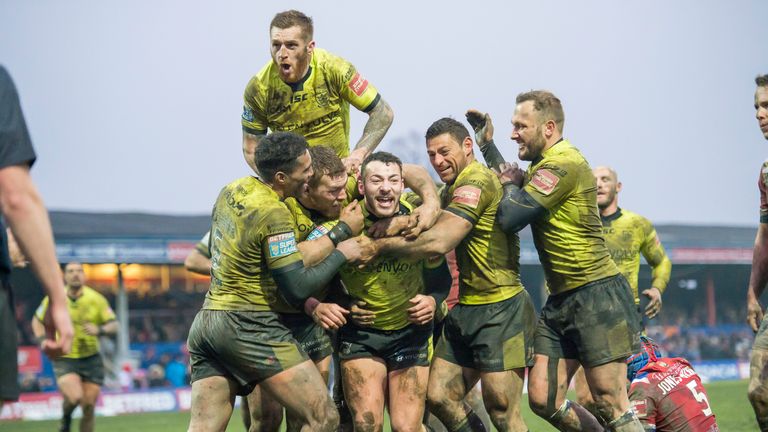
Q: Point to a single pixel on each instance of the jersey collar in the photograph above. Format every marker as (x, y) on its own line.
(299, 85)
(611, 217)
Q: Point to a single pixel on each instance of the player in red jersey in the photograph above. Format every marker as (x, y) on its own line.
(666, 393)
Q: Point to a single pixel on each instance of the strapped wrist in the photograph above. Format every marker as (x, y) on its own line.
(339, 233)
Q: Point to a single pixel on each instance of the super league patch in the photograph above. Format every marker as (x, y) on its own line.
(282, 245)
(544, 181)
(467, 195)
(358, 84)
(247, 114)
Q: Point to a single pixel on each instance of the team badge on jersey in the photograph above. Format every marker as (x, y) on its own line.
(282, 245)
(358, 84)
(544, 181)
(322, 98)
(467, 195)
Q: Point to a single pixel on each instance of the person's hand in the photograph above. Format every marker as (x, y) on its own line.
(57, 323)
(360, 315)
(91, 329)
(509, 172)
(330, 316)
(482, 125)
(654, 304)
(754, 314)
(354, 160)
(423, 309)
(352, 215)
(425, 217)
(359, 250)
(392, 226)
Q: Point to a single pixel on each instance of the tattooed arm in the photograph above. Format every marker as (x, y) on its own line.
(379, 120)
(250, 142)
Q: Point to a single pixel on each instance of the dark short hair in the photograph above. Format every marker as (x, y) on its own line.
(762, 80)
(453, 127)
(290, 18)
(67, 264)
(381, 156)
(325, 161)
(279, 152)
(547, 104)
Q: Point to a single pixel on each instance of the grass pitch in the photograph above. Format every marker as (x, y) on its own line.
(728, 401)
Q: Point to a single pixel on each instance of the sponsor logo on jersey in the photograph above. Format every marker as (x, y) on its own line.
(319, 231)
(467, 195)
(639, 407)
(544, 181)
(247, 114)
(282, 245)
(358, 84)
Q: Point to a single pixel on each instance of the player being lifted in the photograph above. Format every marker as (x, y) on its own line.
(308, 90)
(589, 318)
(488, 335)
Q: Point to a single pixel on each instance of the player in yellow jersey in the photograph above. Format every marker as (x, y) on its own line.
(80, 374)
(308, 90)
(589, 318)
(758, 385)
(237, 339)
(627, 236)
(387, 360)
(487, 336)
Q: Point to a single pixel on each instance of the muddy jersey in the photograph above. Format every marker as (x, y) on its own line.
(488, 258)
(387, 283)
(667, 395)
(762, 185)
(91, 307)
(316, 107)
(627, 235)
(252, 234)
(569, 237)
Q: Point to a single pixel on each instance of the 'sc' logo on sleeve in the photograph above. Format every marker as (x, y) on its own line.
(544, 181)
(467, 195)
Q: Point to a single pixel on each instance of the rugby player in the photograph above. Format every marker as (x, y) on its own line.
(252, 232)
(488, 335)
(666, 393)
(25, 214)
(308, 90)
(758, 369)
(627, 235)
(80, 374)
(386, 360)
(589, 317)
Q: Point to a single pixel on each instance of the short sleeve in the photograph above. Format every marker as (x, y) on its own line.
(353, 86)
(552, 182)
(204, 245)
(40, 311)
(643, 405)
(254, 117)
(471, 195)
(278, 240)
(15, 143)
(106, 314)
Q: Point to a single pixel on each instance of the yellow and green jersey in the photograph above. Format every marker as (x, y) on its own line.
(569, 237)
(89, 307)
(627, 235)
(387, 283)
(252, 233)
(317, 107)
(488, 258)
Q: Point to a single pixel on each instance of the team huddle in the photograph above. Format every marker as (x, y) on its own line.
(321, 253)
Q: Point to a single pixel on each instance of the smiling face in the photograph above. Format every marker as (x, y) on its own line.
(382, 184)
(527, 131)
(291, 52)
(448, 157)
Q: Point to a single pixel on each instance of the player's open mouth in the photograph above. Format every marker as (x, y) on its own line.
(385, 201)
(285, 67)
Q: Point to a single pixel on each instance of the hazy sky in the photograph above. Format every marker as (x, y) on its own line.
(135, 105)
